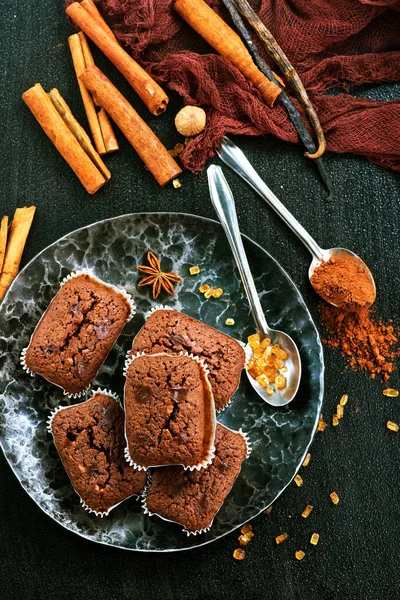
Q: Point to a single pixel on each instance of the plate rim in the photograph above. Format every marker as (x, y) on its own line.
(320, 396)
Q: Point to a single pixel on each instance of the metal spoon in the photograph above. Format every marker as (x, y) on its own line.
(224, 204)
(232, 156)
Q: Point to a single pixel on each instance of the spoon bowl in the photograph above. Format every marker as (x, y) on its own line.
(233, 156)
(224, 204)
(293, 373)
(334, 252)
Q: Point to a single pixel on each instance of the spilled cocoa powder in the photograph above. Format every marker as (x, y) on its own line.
(343, 282)
(367, 342)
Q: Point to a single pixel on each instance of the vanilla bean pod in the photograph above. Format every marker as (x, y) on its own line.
(279, 57)
(292, 111)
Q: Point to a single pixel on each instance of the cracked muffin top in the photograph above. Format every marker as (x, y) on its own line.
(169, 412)
(76, 333)
(174, 332)
(89, 438)
(193, 499)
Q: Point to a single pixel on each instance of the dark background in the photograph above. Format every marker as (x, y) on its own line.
(357, 556)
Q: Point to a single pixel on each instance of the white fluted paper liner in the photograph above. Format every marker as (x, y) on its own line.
(205, 529)
(123, 293)
(246, 439)
(32, 374)
(210, 416)
(111, 286)
(103, 392)
(156, 308)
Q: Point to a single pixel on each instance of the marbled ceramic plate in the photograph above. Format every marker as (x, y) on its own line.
(111, 250)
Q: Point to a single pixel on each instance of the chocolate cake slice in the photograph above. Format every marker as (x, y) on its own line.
(89, 438)
(173, 332)
(193, 499)
(77, 331)
(169, 412)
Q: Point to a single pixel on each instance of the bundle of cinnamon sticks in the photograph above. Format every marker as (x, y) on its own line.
(101, 101)
(12, 244)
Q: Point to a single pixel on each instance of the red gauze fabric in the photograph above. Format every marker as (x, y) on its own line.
(330, 43)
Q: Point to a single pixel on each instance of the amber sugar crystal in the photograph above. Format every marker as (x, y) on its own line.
(230, 322)
(204, 288)
(300, 554)
(390, 392)
(306, 460)
(321, 424)
(298, 480)
(267, 363)
(243, 540)
(195, 270)
(218, 293)
(314, 539)
(246, 528)
(209, 293)
(281, 538)
(343, 400)
(239, 554)
(392, 426)
(307, 511)
(334, 497)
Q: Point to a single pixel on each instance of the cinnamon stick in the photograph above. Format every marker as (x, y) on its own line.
(149, 91)
(152, 152)
(92, 9)
(65, 112)
(107, 131)
(19, 230)
(276, 53)
(64, 140)
(225, 41)
(82, 58)
(3, 240)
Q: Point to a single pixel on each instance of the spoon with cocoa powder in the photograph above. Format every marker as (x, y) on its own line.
(338, 275)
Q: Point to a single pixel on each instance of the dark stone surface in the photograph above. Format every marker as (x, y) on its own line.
(357, 556)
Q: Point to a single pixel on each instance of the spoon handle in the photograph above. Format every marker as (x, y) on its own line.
(224, 204)
(232, 156)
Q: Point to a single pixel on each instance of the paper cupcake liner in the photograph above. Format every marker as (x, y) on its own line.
(247, 442)
(156, 308)
(103, 392)
(210, 418)
(72, 275)
(111, 286)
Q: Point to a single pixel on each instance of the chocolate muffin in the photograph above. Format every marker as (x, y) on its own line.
(193, 499)
(169, 412)
(173, 332)
(90, 440)
(77, 331)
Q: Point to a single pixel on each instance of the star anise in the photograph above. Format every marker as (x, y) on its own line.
(156, 277)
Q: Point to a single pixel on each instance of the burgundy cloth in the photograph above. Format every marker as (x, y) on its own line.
(330, 43)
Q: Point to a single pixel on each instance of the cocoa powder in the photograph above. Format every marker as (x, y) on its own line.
(366, 342)
(342, 281)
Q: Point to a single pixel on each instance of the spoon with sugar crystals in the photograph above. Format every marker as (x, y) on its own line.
(224, 204)
(338, 275)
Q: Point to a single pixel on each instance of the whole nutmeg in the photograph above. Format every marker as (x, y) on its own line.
(190, 121)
